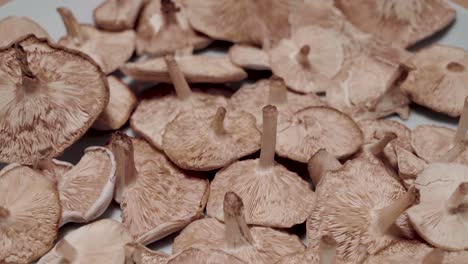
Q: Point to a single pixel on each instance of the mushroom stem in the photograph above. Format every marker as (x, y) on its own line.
(267, 151)
(377, 147)
(278, 91)
(29, 80)
(457, 197)
(4, 213)
(236, 230)
(327, 250)
(320, 163)
(72, 26)
(460, 135)
(218, 121)
(181, 86)
(169, 9)
(435, 256)
(303, 56)
(67, 253)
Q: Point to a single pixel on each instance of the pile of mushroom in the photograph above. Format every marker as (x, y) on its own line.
(234, 128)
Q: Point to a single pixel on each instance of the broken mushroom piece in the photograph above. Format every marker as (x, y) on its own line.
(50, 97)
(211, 138)
(273, 196)
(117, 15)
(235, 237)
(110, 50)
(29, 214)
(249, 57)
(14, 27)
(325, 255)
(99, 242)
(157, 198)
(409, 166)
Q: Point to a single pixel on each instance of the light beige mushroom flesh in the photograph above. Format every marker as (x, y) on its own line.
(249, 57)
(409, 166)
(50, 97)
(14, 27)
(326, 254)
(117, 15)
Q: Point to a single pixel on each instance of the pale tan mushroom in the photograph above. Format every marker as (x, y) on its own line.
(117, 15)
(235, 237)
(404, 251)
(273, 196)
(50, 97)
(153, 114)
(320, 163)
(29, 214)
(249, 57)
(122, 101)
(100, 242)
(14, 27)
(409, 166)
(110, 50)
(403, 23)
(210, 138)
(439, 79)
(157, 198)
(326, 254)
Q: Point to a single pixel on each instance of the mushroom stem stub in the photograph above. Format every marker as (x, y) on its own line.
(278, 91)
(377, 147)
(462, 125)
(435, 256)
(181, 86)
(72, 26)
(457, 197)
(66, 252)
(320, 163)
(4, 213)
(218, 121)
(29, 80)
(267, 151)
(303, 56)
(237, 232)
(122, 148)
(327, 250)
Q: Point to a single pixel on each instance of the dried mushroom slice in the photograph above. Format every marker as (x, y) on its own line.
(153, 114)
(250, 244)
(122, 101)
(249, 57)
(439, 79)
(29, 214)
(50, 96)
(163, 28)
(316, 128)
(273, 196)
(117, 15)
(15, 27)
(401, 22)
(110, 50)
(100, 242)
(326, 254)
(209, 139)
(157, 198)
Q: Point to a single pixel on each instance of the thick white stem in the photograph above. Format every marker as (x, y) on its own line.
(181, 86)
(237, 233)
(320, 163)
(268, 147)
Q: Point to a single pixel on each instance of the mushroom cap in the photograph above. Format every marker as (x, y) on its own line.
(273, 197)
(316, 128)
(138, 254)
(117, 15)
(209, 149)
(269, 244)
(401, 22)
(249, 57)
(122, 101)
(431, 217)
(102, 241)
(439, 80)
(404, 251)
(72, 91)
(163, 199)
(409, 165)
(15, 27)
(196, 69)
(30, 214)
(324, 58)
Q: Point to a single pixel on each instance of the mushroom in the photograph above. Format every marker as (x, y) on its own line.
(440, 217)
(50, 97)
(153, 114)
(404, 251)
(326, 254)
(307, 64)
(210, 138)
(273, 196)
(320, 163)
(157, 198)
(122, 101)
(439, 79)
(117, 15)
(196, 68)
(14, 27)
(249, 57)
(100, 242)
(109, 49)
(163, 28)
(409, 166)
(29, 214)
(316, 128)
(235, 237)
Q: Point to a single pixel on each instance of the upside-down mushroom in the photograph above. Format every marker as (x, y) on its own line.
(326, 254)
(14, 27)
(29, 214)
(249, 57)
(117, 15)
(211, 138)
(235, 237)
(50, 96)
(153, 114)
(273, 196)
(109, 50)
(157, 198)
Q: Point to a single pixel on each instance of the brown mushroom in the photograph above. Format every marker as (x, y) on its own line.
(157, 198)
(210, 138)
(401, 22)
(250, 244)
(409, 166)
(273, 196)
(110, 50)
(29, 214)
(249, 57)
(14, 27)
(153, 114)
(50, 97)
(326, 254)
(117, 15)
(439, 80)
(122, 101)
